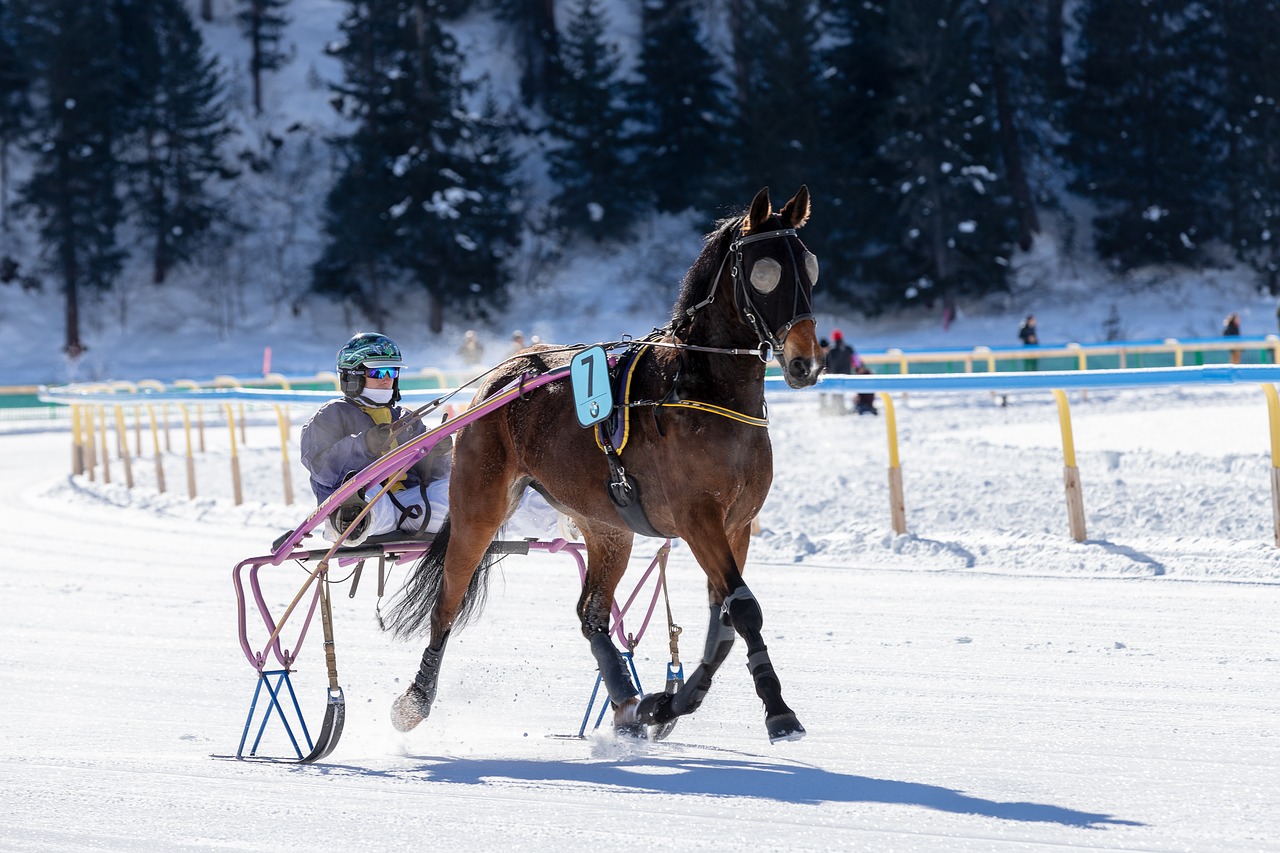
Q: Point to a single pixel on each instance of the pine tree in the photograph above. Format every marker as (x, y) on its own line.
(179, 126)
(73, 188)
(1011, 35)
(533, 26)
(953, 213)
(682, 107)
(857, 87)
(400, 212)
(778, 99)
(488, 226)
(598, 193)
(263, 23)
(358, 258)
(16, 109)
(1142, 124)
(1250, 31)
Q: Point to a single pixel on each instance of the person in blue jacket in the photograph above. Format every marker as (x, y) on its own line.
(347, 435)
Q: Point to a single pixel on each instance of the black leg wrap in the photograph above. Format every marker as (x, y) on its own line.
(613, 669)
(414, 705)
(429, 672)
(720, 637)
(761, 669)
(744, 611)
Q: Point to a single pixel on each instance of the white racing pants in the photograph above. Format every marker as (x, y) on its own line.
(534, 518)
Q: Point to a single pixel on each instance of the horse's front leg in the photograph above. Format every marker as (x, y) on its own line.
(736, 612)
(748, 620)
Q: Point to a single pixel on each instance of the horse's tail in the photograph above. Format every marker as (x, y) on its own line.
(410, 615)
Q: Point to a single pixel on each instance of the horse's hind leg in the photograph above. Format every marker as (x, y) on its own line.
(659, 708)
(607, 556)
(471, 527)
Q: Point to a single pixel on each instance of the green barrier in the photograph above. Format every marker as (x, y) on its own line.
(23, 403)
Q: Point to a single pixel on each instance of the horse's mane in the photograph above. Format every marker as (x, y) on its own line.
(693, 289)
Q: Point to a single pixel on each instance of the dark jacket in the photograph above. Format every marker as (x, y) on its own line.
(840, 359)
(1027, 333)
(333, 447)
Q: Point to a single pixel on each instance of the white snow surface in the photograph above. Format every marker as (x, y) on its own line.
(981, 683)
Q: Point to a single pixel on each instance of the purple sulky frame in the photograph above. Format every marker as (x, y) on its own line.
(394, 463)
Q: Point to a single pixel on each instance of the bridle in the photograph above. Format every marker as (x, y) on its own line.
(770, 340)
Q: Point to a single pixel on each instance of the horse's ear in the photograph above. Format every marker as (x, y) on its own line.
(760, 210)
(796, 211)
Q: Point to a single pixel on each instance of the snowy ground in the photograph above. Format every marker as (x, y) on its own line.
(983, 683)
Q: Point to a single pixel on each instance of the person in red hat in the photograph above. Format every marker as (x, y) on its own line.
(839, 363)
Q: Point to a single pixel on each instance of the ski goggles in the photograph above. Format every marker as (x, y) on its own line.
(382, 372)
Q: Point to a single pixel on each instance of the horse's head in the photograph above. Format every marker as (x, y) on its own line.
(774, 275)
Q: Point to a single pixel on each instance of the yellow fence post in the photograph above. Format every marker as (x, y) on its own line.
(122, 441)
(77, 441)
(191, 462)
(155, 446)
(1273, 420)
(187, 383)
(235, 459)
(1070, 473)
(90, 444)
(106, 453)
(122, 430)
(282, 415)
(897, 502)
(232, 382)
(156, 385)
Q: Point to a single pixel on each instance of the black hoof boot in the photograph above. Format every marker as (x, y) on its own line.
(655, 710)
(784, 727)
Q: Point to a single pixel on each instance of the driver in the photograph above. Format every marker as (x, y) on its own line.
(346, 435)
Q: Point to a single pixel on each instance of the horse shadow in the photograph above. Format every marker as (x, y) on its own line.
(742, 778)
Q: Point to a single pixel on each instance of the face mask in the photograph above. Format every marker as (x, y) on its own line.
(377, 396)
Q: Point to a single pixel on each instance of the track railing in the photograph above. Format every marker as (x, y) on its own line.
(98, 409)
(1057, 383)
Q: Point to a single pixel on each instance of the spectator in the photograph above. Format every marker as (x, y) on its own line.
(472, 351)
(1027, 334)
(839, 361)
(1027, 331)
(517, 341)
(1231, 329)
(864, 404)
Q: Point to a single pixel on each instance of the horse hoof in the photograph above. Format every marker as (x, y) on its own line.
(631, 731)
(627, 723)
(409, 709)
(784, 727)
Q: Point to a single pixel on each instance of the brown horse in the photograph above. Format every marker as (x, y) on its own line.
(698, 464)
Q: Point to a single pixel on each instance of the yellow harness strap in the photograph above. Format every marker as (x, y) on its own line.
(711, 408)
